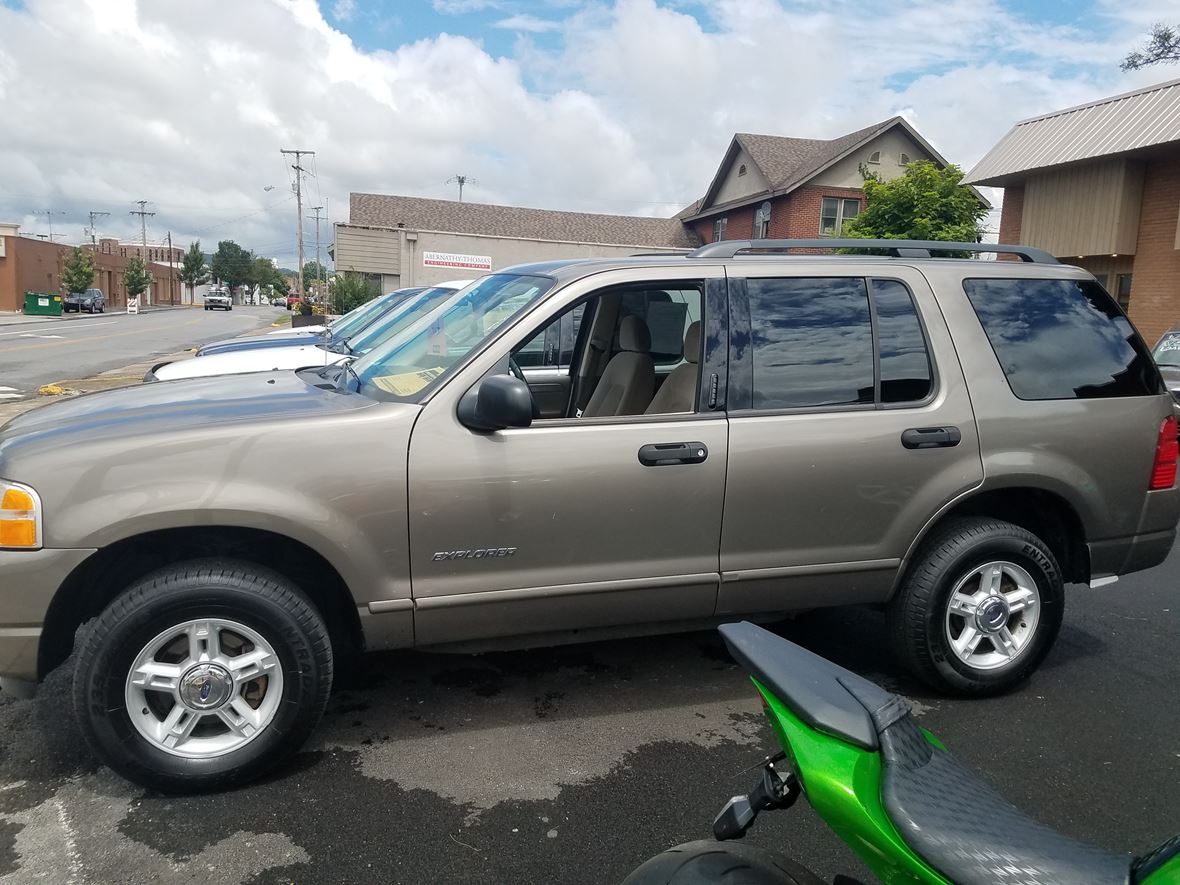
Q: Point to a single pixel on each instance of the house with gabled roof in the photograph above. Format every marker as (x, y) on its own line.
(765, 186)
(787, 188)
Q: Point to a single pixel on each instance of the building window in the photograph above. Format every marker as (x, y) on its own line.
(742, 169)
(719, 229)
(875, 157)
(1123, 290)
(834, 211)
(762, 221)
(904, 160)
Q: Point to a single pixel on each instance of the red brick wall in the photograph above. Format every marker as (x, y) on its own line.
(1155, 284)
(1011, 214)
(795, 216)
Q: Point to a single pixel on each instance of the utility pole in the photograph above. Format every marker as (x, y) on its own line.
(461, 180)
(48, 213)
(143, 217)
(318, 267)
(93, 227)
(299, 170)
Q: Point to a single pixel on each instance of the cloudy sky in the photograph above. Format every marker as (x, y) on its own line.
(611, 106)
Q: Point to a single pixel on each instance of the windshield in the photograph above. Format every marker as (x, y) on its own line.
(1167, 352)
(359, 317)
(406, 364)
(398, 319)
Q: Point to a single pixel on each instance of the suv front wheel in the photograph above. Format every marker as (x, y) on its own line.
(979, 608)
(203, 676)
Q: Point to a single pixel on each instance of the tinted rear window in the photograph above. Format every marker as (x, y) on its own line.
(1062, 339)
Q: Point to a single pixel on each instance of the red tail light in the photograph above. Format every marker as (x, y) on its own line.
(1167, 448)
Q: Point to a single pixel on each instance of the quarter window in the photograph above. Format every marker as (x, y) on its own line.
(905, 362)
(1062, 339)
(812, 342)
(834, 211)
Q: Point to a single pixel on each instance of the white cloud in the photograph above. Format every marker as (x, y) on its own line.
(459, 7)
(630, 112)
(344, 10)
(529, 23)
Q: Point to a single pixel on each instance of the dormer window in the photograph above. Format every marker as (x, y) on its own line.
(742, 169)
(875, 157)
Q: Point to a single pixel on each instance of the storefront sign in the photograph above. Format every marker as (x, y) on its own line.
(458, 260)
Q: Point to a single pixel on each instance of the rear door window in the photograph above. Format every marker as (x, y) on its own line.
(1062, 339)
(812, 342)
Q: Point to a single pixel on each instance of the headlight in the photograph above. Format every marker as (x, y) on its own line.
(20, 517)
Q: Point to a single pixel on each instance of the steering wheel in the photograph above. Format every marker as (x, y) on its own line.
(514, 368)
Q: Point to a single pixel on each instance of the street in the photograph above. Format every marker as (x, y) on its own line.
(42, 351)
(575, 764)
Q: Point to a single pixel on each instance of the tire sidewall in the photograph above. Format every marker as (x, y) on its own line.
(103, 681)
(1040, 564)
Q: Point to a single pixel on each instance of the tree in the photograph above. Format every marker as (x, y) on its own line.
(231, 264)
(78, 272)
(351, 290)
(192, 270)
(1162, 47)
(313, 272)
(927, 203)
(136, 278)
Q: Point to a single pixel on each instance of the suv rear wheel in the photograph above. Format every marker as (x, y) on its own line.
(979, 608)
(203, 676)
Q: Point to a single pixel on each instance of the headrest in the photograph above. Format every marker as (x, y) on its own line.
(634, 336)
(692, 342)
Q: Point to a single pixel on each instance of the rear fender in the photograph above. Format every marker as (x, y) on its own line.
(843, 785)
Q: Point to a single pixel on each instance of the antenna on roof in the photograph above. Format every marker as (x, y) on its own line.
(461, 180)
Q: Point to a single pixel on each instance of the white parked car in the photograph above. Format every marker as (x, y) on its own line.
(311, 355)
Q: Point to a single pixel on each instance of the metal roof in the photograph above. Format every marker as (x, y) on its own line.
(1114, 125)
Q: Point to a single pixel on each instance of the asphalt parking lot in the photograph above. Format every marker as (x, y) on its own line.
(575, 764)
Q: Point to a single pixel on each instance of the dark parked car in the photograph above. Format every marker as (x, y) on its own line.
(91, 301)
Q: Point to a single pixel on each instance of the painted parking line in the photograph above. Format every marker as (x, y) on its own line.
(10, 393)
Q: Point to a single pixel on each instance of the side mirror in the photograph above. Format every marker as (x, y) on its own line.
(496, 402)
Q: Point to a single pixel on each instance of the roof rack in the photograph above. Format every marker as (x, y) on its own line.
(895, 248)
(662, 252)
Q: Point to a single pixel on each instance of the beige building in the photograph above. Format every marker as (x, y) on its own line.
(412, 241)
(159, 252)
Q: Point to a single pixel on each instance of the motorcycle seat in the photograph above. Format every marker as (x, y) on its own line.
(946, 813)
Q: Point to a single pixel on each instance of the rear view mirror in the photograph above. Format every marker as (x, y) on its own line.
(497, 402)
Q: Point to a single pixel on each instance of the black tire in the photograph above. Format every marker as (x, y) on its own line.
(708, 862)
(247, 594)
(917, 614)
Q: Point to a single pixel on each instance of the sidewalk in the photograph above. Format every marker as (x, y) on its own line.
(10, 318)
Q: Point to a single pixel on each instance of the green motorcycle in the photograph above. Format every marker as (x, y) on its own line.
(888, 788)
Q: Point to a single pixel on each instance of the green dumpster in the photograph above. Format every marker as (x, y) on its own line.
(43, 304)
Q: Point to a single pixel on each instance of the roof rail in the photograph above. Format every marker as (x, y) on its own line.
(662, 252)
(896, 248)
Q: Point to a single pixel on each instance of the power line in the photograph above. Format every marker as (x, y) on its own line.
(143, 217)
(48, 213)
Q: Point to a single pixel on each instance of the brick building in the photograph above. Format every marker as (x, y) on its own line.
(766, 186)
(1098, 186)
(29, 265)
